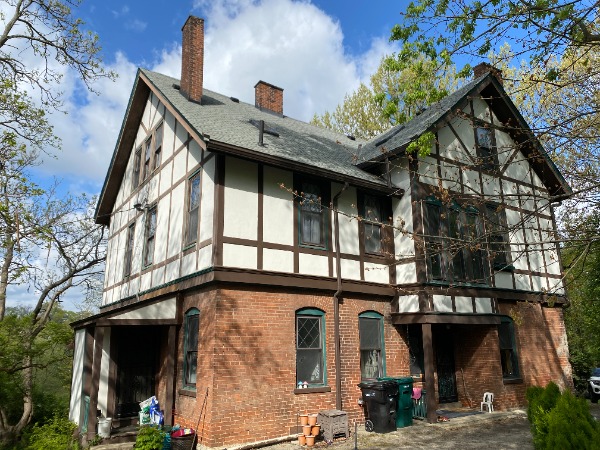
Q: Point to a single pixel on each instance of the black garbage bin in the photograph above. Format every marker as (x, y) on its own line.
(380, 399)
(404, 407)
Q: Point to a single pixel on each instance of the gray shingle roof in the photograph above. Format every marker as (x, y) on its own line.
(227, 121)
(401, 135)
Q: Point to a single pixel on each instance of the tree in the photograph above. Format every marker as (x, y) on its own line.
(397, 91)
(48, 245)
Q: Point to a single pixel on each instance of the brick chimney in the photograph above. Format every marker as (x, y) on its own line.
(192, 58)
(268, 97)
(482, 68)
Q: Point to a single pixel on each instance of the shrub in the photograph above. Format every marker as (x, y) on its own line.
(560, 421)
(57, 434)
(149, 438)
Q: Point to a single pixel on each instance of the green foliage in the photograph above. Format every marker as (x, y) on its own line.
(560, 421)
(57, 434)
(422, 145)
(149, 438)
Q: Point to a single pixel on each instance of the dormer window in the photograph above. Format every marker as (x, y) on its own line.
(486, 149)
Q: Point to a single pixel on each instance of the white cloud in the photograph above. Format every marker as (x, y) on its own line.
(136, 25)
(291, 44)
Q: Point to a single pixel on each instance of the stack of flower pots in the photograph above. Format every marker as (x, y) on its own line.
(310, 429)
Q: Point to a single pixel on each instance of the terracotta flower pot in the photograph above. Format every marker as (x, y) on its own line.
(306, 429)
(315, 430)
(301, 439)
(312, 419)
(303, 419)
(310, 441)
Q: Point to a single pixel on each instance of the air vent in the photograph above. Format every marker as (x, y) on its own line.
(349, 136)
(235, 100)
(176, 86)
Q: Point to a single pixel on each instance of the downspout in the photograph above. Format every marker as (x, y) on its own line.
(336, 303)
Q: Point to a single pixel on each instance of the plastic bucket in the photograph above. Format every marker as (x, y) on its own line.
(104, 427)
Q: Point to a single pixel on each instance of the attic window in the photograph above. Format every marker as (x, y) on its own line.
(267, 129)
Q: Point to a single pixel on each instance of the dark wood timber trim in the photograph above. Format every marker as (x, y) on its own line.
(134, 322)
(429, 372)
(445, 318)
(112, 376)
(312, 390)
(170, 374)
(219, 210)
(93, 415)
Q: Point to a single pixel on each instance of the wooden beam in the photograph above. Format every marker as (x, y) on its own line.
(451, 318)
(93, 415)
(170, 374)
(432, 403)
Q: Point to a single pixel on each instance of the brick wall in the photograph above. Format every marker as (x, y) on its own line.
(247, 359)
(269, 97)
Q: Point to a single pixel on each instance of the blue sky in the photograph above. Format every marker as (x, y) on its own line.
(316, 50)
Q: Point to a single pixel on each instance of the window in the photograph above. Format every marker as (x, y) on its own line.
(372, 354)
(312, 217)
(496, 229)
(372, 222)
(190, 347)
(158, 139)
(150, 236)
(129, 250)
(414, 335)
(147, 156)
(193, 210)
(310, 347)
(508, 349)
(486, 149)
(454, 245)
(137, 160)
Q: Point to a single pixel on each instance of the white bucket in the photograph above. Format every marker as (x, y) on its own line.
(104, 427)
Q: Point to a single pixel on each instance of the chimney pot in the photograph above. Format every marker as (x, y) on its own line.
(192, 58)
(482, 68)
(269, 97)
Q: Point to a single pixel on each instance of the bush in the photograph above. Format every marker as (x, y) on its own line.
(149, 438)
(560, 421)
(57, 434)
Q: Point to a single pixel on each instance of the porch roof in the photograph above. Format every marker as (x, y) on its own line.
(444, 317)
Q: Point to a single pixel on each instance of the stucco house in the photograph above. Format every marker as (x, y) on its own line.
(250, 253)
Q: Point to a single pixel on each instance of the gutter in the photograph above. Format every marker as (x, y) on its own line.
(336, 303)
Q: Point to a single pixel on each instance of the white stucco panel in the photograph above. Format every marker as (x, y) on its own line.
(168, 136)
(377, 273)
(450, 176)
(400, 174)
(175, 230)
(164, 309)
(347, 220)
(408, 303)
(179, 166)
(504, 280)
(146, 281)
(188, 264)
(165, 178)
(194, 155)
(350, 269)
(463, 304)
(456, 151)
(239, 256)
(428, 171)
(491, 187)
(205, 257)
(406, 273)
(241, 199)
(172, 271)
(158, 276)
(207, 200)
(483, 305)
(556, 286)
(76, 402)
(104, 372)
(511, 193)
(471, 182)
(404, 245)
(162, 225)
(278, 206)
(313, 265)
(442, 303)
(181, 136)
(522, 282)
(278, 260)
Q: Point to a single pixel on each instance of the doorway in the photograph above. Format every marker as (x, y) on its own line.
(137, 350)
(444, 359)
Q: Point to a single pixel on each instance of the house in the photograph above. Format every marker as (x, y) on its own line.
(259, 267)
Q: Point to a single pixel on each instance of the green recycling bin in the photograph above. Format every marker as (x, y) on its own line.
(404, 408)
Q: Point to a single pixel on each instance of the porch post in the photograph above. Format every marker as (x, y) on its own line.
(432, 403)
(170, 374)
(93, 416)
(88, 357)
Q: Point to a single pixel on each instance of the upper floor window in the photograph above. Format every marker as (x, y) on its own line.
(158, 140)
(454, 245)
(137, 160)
(310, 346)
(150, 236)
(508, 349)
(312, 216)
(190, 347)
(372, 353)
(129, 250)
(372, 224)
(193, 209)
(486, 150)
(147, 157)
(497, 231)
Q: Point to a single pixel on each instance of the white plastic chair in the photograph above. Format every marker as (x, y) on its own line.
(488, 400)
